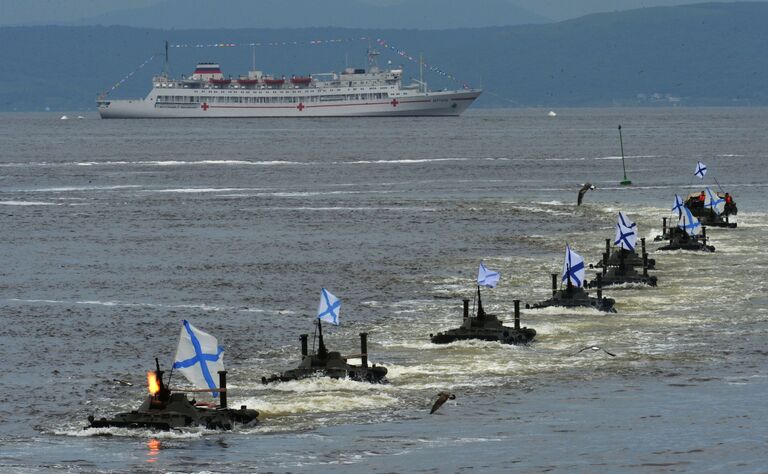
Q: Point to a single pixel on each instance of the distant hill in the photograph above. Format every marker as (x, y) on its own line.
(707, 54)
(420, 14)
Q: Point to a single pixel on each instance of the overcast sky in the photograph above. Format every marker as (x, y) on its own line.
(13, 12)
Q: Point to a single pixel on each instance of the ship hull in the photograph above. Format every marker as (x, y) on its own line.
(430, 104)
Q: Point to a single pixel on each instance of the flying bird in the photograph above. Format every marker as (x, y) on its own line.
(442, 397)
(584, 188)
(596, 348)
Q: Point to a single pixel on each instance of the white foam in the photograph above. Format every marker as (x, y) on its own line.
(80, 188)
(319, 385)
(557, 310)
(626, 156)
(195, 190)
(345, 208)
(28, 203)
(403, 161)
(199, 306)
(190, 433)
(187, 163)
(325, 402)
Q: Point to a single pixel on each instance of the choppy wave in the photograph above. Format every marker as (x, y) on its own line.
(197, 306)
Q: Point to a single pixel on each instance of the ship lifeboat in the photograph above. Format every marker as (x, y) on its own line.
(247, 82)
(220, 82)
(300, 81)
(274, 82)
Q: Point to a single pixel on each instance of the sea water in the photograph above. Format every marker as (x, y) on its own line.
(114, 231)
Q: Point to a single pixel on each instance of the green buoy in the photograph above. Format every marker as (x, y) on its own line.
(626, 181)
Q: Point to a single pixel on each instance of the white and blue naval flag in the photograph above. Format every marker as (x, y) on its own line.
(199, 357)
(626, 233)
(678, 207)
(701, 170)
(329, 307)
(714, 202)
(487, 277)
(573, 267)
(688, 223)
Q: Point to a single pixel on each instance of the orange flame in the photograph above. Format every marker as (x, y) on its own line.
(153, 383)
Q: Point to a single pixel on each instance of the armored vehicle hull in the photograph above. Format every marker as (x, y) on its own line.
(165, 411)
(680, 240)
(620, 276)
(331, 364)
(576, 297)
(178, 412)
(486, 327)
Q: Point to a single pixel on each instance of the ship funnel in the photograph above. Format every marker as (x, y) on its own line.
(304, 346)
(466, 307)
(554, 284)
(517, 314)
(645, 264)
(223, 389)
(599, 286)
(364, 348)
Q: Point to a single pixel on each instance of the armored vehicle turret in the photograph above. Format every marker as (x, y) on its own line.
(486, 327)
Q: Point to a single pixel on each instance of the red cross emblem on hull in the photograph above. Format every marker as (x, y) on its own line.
(205, 106)
(300, 106)
(394, 102)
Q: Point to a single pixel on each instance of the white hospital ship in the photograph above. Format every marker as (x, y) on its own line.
(354, 93)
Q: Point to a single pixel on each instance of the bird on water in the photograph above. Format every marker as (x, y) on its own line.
(595, 348)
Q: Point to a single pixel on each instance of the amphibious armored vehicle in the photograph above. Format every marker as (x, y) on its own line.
(325, 363)
(707, 215)
(679, 239)
(486, 327)
(631, 258)
(618, 271)
(575, 297)
(166, 409)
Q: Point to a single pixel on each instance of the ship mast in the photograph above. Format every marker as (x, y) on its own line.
(373, 64)
(165, 64)
(421, 71)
